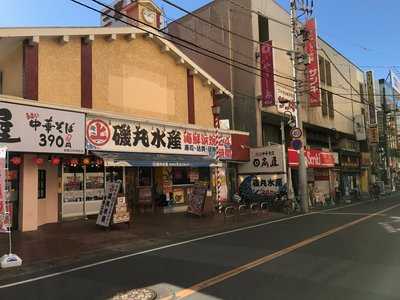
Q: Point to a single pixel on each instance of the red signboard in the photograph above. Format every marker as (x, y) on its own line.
(313, 67)
(314, 158)
(267, 74)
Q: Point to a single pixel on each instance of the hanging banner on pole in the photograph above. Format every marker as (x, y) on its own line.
(4, 216)
(267, 72)
(371, 97)
(313, 67)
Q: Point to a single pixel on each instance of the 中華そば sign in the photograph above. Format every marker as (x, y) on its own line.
(42, 130)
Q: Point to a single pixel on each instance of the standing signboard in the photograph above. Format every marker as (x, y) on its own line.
(264, 160)
(267, 74)
(107, 207)
(25, 128)
(197, 198)
(7, 260)
(313, 66)
(105, 134)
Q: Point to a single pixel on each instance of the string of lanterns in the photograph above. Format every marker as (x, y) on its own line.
(55, 161)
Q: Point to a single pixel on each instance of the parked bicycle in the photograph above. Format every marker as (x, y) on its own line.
(375, 192)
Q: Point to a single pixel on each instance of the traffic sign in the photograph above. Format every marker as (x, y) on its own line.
(297, 144)
(296, 133)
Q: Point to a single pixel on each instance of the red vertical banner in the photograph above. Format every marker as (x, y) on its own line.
(267, 74)
(313, 67)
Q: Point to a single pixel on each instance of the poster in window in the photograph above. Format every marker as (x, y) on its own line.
(94, 186)
(73, 187)
(145, 195)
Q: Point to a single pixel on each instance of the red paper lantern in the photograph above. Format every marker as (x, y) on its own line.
(16, 160)
(38, 161)
(86, 161)
(55, 161)
(73, 162)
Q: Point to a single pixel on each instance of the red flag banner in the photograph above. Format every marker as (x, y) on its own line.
(313, 68)
(267, 72)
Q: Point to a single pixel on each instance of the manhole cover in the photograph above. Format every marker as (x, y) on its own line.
(136, 294)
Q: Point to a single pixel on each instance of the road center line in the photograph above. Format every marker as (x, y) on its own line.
(88, 266)
(236, 271)
(351, 214)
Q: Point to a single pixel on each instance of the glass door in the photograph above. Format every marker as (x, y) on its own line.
(72, 191)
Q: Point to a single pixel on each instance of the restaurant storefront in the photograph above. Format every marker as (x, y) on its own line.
(38, 140)
(266, 170)
(319, 178)
(60, 162)
(158, 165)
(350, 172)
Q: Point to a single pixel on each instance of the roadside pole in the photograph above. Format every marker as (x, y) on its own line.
(303, 188)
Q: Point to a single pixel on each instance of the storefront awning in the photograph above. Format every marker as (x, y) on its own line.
(127, 159)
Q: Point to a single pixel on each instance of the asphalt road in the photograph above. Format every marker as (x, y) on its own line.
(348, 253)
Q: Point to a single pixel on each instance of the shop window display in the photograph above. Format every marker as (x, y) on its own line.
(94, 182)
(73, 184)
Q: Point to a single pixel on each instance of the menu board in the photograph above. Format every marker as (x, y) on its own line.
(121, 213)
(107, 207)
(197, 198)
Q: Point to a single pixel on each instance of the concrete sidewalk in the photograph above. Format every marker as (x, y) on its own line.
(78, 241)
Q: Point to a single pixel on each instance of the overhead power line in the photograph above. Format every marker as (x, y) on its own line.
(258, 13)
(176, 43)
(183, 40)
(220, 27)
(208, 38)
(341, 74)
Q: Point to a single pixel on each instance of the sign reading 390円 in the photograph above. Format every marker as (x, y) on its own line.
(27, 128)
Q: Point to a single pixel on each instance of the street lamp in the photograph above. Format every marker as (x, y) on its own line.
(216, 110)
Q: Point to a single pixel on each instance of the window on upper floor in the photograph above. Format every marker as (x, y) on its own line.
(325, 71)
(263, 29)
(322, 68)
(328, 74)
(331, 108)
(361, 89)
(324, 103)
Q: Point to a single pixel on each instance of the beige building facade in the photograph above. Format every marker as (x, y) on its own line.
(330, 126)
(87, 96)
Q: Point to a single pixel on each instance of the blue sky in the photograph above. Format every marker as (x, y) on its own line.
(363, 30)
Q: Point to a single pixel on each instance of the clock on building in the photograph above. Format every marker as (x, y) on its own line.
(149, 16)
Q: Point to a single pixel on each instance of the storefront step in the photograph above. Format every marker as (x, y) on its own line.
(175, 209)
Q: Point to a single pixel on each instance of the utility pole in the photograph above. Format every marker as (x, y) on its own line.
(303, 185)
